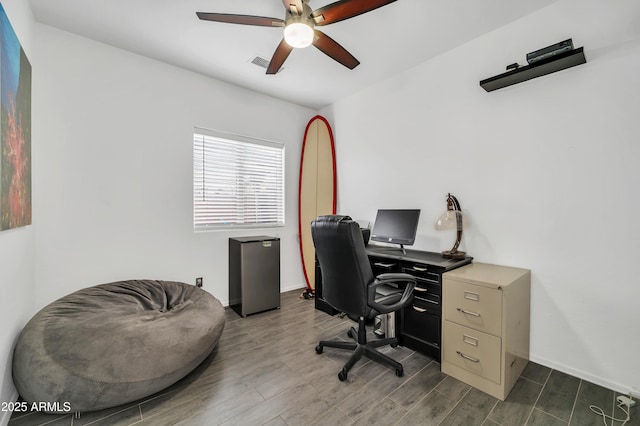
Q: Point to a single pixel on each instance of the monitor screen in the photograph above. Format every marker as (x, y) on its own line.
(396, 226)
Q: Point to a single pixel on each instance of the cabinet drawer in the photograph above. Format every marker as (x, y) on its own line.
(473, 306)
(421, 320)
(383, 266)
(429, 293)
(423, 273)
(472, 350)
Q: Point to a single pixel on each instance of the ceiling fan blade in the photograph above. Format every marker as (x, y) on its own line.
(345, 9)
(261, 21)
(279, 56)
(293, 5)
(331, 48)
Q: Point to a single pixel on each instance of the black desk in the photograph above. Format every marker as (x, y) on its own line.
(417, 326)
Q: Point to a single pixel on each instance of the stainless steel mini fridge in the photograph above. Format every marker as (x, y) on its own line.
(254, 274)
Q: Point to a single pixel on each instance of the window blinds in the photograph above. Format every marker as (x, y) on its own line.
(237, 182)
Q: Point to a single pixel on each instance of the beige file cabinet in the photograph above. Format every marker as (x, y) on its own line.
(485, 327)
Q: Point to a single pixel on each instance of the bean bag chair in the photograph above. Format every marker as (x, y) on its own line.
(115, 343)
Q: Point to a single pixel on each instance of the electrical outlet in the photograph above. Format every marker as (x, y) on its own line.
(199, 282)
(625, 400)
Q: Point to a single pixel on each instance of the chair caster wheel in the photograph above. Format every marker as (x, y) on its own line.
(394, 345)
(342, 375)
(350, 334)
(399, 372)
(318, 349)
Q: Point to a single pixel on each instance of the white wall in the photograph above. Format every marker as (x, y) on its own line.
(16, 245)
(547, 170)
(114, 167)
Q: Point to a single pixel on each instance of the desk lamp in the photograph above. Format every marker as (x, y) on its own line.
(452, 219)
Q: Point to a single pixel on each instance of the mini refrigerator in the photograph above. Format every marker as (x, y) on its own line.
(254, 274)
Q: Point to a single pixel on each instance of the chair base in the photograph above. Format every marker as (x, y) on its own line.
(361, 347)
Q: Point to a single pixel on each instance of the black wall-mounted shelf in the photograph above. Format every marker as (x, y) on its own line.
(562, 61)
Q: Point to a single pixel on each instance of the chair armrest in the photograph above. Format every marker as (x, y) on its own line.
(405, 299)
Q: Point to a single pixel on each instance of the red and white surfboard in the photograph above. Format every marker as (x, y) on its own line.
(317, 187)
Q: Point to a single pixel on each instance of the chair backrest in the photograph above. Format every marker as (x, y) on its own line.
(345, 267)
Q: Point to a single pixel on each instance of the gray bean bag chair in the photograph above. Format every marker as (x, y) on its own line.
(115, 343)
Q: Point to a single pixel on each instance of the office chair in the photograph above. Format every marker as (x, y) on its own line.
(348, 284)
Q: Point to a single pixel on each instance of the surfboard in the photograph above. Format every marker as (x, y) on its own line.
(317, 187)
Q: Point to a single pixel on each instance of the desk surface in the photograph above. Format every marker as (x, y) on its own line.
(417, 256)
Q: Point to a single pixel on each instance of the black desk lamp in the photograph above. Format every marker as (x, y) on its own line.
(452, 219)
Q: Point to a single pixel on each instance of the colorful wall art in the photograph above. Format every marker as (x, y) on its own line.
(15, 129)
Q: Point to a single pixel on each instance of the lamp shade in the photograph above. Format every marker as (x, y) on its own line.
(298, 34)
(448, 220)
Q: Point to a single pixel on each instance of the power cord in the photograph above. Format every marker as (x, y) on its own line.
(624, 407)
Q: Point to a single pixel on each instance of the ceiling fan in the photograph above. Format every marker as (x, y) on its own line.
(299, 27)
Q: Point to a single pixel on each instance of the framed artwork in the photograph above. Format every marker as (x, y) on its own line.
(15, 129)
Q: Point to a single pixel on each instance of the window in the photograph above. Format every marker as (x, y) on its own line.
(237, 181)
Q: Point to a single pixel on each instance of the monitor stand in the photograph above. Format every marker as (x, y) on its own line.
(402, 250)
(390, 249)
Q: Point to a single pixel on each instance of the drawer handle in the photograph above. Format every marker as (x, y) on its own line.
(467, 357)
(415, 308)
(468, 312)
(421, 289)
(419, 269)
(469, 295)
(469, 340)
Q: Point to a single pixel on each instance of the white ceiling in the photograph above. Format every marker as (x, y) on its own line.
(386, 41)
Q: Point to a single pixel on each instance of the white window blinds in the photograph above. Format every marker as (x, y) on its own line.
(237, 181)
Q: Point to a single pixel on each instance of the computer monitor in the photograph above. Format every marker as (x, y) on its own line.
(396, 226)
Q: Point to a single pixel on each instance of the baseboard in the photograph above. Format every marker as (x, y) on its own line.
(618, 387)
(6, 415)
(292, 287)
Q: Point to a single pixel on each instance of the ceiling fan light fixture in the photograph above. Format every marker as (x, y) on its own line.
(299, 23)
(298, 34)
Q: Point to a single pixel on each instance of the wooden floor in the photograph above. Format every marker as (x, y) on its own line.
(265, 371)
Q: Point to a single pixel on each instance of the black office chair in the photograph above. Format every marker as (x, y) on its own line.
(348, 284)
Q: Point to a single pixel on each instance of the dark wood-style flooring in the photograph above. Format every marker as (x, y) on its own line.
(265, 371)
